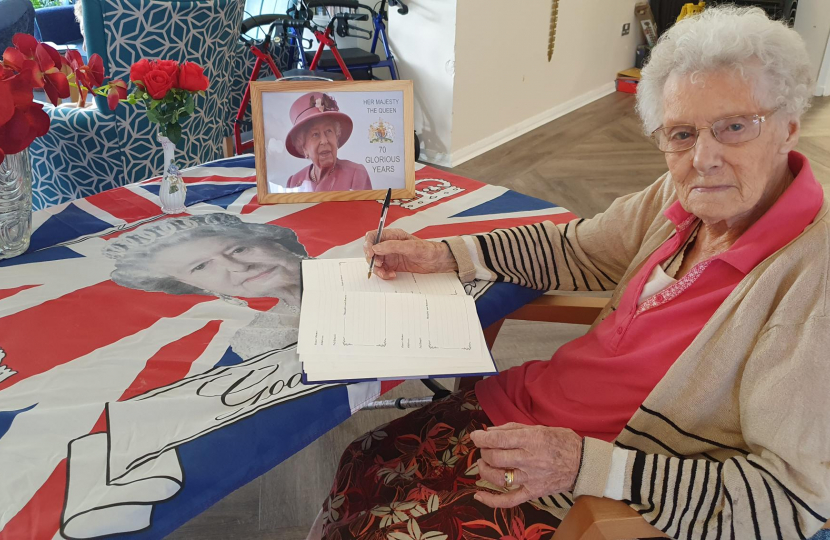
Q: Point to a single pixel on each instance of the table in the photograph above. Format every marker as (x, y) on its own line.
(127, 411)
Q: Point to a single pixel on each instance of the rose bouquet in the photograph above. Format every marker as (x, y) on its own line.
(167, 89)
(30, 64)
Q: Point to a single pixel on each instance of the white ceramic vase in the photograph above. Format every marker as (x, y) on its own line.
(173, 190)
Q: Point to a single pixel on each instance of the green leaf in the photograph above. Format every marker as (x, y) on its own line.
(190, 104)
(154, 104)
(153, 116)
(174, 133)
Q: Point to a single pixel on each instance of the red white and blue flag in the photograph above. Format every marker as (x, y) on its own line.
(122, 411)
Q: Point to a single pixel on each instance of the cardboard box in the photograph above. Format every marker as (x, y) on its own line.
(642, 11)
(630, 73)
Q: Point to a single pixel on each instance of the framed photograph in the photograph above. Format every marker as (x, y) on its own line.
(333, 141)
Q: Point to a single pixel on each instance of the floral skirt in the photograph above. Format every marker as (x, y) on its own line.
(414, 479)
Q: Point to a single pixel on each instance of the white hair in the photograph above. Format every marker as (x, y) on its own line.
(739, 39)
(79, 17)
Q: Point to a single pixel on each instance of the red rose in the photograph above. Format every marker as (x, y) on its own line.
(192, 78)
(157, 83)
(139, 70)
(171, 67)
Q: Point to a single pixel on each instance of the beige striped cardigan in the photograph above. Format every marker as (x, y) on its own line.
(734, 441)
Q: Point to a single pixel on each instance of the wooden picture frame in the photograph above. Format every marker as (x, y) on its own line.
(375, 112)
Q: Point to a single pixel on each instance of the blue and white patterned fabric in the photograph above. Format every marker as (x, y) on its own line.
(89, 150)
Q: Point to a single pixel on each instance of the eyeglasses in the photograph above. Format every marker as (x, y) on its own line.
(730, 130)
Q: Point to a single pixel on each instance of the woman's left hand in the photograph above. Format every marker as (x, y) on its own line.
(544, 460)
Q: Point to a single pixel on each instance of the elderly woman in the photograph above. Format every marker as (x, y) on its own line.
(319, 130)
(218, 255)
(700, 396)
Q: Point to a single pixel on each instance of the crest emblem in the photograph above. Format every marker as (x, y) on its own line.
(381, 132)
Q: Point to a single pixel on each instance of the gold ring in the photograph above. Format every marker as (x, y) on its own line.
(508, 478)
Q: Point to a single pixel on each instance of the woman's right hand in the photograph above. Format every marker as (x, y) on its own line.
(399, 251)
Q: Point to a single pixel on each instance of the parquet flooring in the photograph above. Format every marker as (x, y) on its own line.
(582, 161)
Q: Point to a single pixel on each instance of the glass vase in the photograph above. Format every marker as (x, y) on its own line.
(173, 190)
(15, 204)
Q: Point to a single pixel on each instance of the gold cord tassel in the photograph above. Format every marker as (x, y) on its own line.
(554, 15)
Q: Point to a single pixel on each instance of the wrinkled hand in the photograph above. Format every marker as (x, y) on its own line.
(399, 251)
(545, 461)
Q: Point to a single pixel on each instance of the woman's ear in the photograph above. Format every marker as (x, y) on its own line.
(793, 127)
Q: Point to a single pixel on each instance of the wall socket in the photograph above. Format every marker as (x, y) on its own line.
(626, 29)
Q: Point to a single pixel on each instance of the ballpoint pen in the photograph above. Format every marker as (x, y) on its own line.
(380, 227)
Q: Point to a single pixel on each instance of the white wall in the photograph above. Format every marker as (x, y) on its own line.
(504, 85)
(423, 42)
(823, 84)
(812, 22)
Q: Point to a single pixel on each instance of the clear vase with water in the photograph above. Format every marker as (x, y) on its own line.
(15, 204)
(173, 190)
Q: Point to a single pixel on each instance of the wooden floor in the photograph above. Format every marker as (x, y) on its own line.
(586, 159)
(582, 161)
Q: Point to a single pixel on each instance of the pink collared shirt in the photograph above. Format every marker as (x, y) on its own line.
(594, 384)
(345, 176)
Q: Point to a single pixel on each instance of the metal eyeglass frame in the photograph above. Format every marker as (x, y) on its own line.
(756, 119)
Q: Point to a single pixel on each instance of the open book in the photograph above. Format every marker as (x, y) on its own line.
(415, 326)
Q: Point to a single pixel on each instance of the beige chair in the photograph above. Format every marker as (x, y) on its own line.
(591, 518)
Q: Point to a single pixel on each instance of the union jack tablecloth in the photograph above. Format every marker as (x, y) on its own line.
(137, 387)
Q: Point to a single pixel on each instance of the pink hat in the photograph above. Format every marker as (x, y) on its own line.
(312, 106)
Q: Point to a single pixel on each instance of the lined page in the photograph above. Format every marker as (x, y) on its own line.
(349, 275)
(386, 324)
(448, 326)
(362, 326)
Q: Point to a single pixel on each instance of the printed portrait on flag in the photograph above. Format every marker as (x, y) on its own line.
(219, 255)
(323, 140)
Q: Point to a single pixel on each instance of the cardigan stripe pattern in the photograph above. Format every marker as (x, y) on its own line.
(526, 256)
(734, 442)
